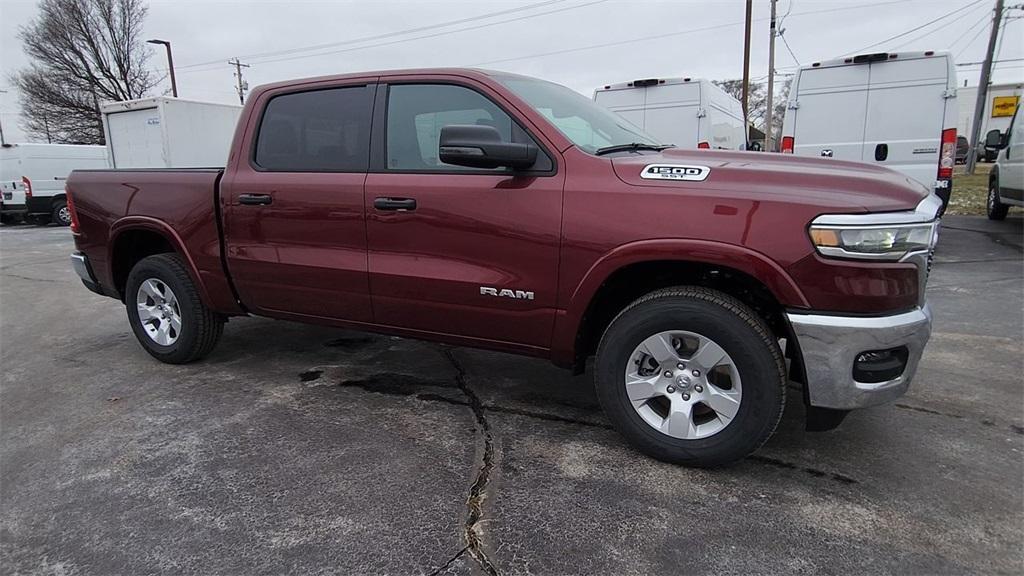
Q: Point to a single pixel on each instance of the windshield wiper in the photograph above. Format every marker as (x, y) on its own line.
(631, 147)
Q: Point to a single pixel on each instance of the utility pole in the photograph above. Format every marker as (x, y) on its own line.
(768, 146)
(746, 75)
(979, 104)
(242, 84)
(2, 141)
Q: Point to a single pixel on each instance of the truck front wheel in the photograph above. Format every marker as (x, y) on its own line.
(691, 376)
(995, 209)
(166, 313)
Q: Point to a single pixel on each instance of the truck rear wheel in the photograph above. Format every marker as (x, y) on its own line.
(166, 313)
(691, 376)
(61, 214)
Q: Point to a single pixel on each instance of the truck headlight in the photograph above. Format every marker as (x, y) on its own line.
(879, 242)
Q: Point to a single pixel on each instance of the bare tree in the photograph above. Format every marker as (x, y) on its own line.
(758, 102)
(83, 52)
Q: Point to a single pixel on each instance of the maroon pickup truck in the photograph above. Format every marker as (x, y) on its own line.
(499, 211)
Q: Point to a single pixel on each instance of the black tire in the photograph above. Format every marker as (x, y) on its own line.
(201, 328)
(60, 214)
(734, 327)
(995, 209)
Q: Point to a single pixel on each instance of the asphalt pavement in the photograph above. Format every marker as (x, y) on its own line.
(310, 450)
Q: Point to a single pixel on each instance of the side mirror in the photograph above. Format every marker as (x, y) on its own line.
(482, 147)
(995, 139)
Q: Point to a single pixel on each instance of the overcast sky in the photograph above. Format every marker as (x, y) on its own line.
(580, 43)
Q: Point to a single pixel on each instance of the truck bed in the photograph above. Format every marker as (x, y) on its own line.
(179, 203)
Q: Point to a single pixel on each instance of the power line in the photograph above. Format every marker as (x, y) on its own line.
(916, 28)
(981, 22)
(788, 49)
(994, 62)
(954, 22)
(969, 42)
(434, 35)
(673, 34)
(385, 35)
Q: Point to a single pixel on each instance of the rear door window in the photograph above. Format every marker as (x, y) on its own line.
(316, 131)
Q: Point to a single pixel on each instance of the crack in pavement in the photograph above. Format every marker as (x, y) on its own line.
(19, 276)
(841, 478)
(983, 422)
(474, 543)
(994, 236)
(450, 561)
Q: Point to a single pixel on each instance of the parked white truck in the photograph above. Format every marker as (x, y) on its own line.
(167, 132)
(690, 113)
(894, 110)
(33, 176)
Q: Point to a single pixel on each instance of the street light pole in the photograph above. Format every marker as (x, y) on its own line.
(170, 64)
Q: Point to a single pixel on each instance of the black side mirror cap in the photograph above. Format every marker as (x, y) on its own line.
(482, 147)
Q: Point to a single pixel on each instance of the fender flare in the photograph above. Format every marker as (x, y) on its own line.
(131, 223)
(740, 258)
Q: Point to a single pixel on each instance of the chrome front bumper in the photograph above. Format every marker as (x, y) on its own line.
(830, 344)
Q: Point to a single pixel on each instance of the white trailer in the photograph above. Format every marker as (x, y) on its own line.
(166, 132)
(690, 113)
(894, 110)
(32, 177)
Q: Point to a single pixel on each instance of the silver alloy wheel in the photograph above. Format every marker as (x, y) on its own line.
(683, 384)
(159, 311)
(64, 215)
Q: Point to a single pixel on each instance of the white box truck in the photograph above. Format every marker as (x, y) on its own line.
(166, 132)
(690, 113)
(894, 110)
(33, 175)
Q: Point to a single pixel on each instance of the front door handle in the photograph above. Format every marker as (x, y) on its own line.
(255, 199)
(402, 204)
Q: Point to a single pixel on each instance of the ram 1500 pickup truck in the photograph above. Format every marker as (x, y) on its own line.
(499, 211)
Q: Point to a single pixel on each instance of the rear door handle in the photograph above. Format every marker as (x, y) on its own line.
(255, 199)
(403, 204)
(881, 152)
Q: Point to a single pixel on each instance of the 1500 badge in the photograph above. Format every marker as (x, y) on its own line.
(675, 172)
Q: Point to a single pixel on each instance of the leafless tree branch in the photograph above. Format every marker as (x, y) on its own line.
(83, 52)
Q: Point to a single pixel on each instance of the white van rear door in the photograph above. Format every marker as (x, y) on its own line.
(829, 119)
(906, 107)
(627, 103)
(672, 114)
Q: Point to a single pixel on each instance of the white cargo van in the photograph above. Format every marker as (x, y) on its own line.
(166, 132)
(690, 113)
(35, 175)
(892, 109)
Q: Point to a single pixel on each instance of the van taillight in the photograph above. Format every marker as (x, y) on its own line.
(71, 208)
(28, 186)
(787, 145)
(948, 154)
(703, 145)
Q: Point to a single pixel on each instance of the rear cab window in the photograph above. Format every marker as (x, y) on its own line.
(325, 130)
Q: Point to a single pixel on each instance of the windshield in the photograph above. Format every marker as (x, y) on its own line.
(587, 124)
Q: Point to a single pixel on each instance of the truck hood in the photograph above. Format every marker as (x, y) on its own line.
(834, 185)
